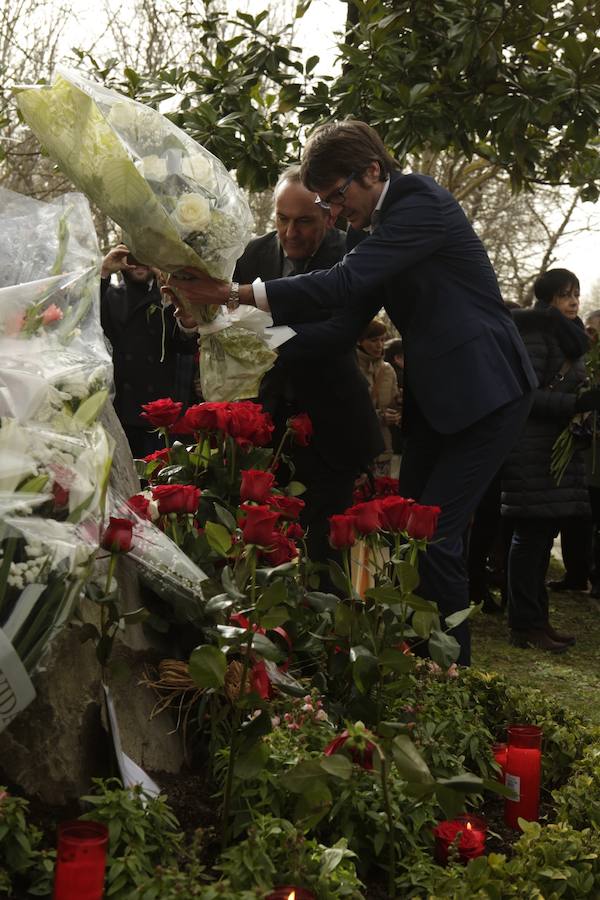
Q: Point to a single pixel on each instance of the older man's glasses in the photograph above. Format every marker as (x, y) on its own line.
(337, 197)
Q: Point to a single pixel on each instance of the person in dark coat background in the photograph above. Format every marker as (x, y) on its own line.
(327, 385)
(132, 319)
(556, 342)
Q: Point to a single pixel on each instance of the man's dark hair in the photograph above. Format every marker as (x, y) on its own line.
(337, 149)
(553, 282)
(393, 348)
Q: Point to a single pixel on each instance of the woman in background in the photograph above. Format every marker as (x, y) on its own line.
(383, 387)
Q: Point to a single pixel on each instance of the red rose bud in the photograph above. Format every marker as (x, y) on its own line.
(176, 498)
(256, 485)
(161, 413)
(422, 521)
(139, 504)
(367, 516)
(301, 428)
(60, 496)
(295, 531)
(289, 507)
(259, 525)
(342, 532)
(384, 486)
(118, 535)
(360, 755)
(395, 512)
(161, 456)
(260, 683)
(281, 550)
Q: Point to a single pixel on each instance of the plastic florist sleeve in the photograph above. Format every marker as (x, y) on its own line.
(54, 364)
(44, 566)
(175, 202)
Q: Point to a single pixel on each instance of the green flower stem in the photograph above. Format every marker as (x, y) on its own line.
(165, 434)
(279, 449)
(237, 717)
(348, 574)
(390, 820)
(174, 529)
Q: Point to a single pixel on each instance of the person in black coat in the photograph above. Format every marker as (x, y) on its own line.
(468, 379)
(152, 357)
(330, 386)
(556, 342)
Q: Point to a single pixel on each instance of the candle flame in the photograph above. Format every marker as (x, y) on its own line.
(469, 826)
(292, 896)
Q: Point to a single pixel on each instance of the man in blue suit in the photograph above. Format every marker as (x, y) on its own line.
(468, 379)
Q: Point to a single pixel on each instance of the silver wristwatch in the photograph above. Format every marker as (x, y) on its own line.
(233, 301)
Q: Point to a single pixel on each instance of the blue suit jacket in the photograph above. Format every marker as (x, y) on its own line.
(423, 262)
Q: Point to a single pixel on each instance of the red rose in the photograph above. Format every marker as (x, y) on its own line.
(395, 512)
(385, 487)
(362, 754)
(259, 525)
(118, 535)
(60, 496)
(248, 425)
(367, 516)
(161, 456)
(295, 531)
(204, 417)
(260, 683)
(301, 428)
(422, 521)
(289, 507)
(161, 413)
(139, 504)
(342, 531)
(256, 485)
(281, 549)
(176, 498)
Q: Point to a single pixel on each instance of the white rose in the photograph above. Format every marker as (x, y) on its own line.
(120, 115)
(199, 169)
(192, 213)
(153, 167)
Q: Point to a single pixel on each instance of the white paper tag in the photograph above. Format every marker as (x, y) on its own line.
(131, 773)
(16, 689)
(514, 783)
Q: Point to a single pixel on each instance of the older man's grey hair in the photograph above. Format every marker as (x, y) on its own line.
(291, 174)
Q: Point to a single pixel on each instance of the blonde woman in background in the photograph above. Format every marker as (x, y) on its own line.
(383, 386)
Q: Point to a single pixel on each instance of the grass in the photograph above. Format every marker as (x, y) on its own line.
(572, 678)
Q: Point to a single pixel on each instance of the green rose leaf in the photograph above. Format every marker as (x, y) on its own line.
(250, 764)
(337, 765)
(207, 666)
(443, 648)
(462, 615)
(410, 763)
(219, 539)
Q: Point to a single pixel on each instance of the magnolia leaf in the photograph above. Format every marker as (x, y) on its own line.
(273, 595)
(410, 763)
(396, 660)
(88, 411)
(337, 765)
(343, 619)
(275, 617)
(321, 602)
(295, 488)
(219, 603)
(443, 648)
(418, 604)
(225, 517)
(219, 539)
(207, 666)
(462, 615)
(252, 762)
(423, 621)
(303, 776)
(264, 647)
(408, 576)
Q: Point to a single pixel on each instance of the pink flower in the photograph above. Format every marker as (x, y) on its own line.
(51, 314)
(14, 324)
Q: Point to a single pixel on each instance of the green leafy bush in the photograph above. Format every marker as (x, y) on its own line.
(22, 862)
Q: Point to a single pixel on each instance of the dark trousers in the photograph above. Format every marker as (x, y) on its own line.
(527, 566)
(452, 471)
(576, 547)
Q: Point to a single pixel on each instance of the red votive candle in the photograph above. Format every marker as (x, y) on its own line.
(80, 861)
(290, 892)
(467, 833)
(499, 751)
(523, 774)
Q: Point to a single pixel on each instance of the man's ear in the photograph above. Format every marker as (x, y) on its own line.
(330, 219)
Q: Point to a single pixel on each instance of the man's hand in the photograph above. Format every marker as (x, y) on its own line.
(115, 261)
(196, 287)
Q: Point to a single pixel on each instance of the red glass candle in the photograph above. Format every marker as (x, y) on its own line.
(290, 892)
(466, 833)
(80, 861)
(499, 751)
(523, 774)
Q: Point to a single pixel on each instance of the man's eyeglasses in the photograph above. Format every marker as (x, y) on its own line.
(335, 198)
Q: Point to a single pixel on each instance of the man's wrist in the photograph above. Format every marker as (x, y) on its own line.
(246, 295)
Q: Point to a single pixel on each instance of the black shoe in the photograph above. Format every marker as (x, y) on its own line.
(595, 592)
(560, 638)
(537, 638)
(489, 607)
(563, 586)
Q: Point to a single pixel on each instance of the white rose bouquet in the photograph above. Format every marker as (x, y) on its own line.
(175, 201)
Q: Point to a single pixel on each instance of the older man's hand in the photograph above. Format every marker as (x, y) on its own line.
(196, 287)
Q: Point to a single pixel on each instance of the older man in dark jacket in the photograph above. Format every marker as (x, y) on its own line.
(326, 384)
